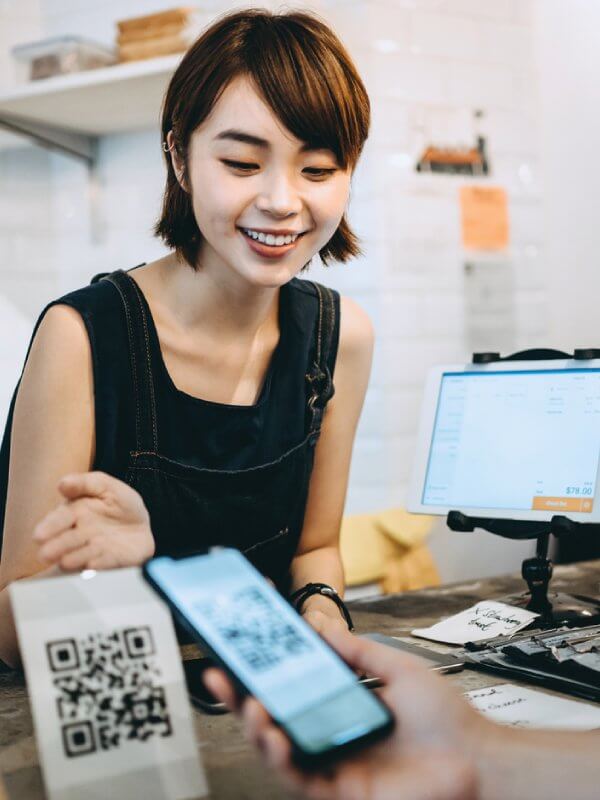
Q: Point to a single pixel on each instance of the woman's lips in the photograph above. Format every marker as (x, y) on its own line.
(267, 250)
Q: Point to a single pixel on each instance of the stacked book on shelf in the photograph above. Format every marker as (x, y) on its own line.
(160, 34)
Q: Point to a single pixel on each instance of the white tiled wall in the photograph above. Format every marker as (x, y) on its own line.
(428, 64)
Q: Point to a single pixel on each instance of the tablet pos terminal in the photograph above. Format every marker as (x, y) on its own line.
(512, 446)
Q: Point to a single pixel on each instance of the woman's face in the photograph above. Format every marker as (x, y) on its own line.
(264, 204)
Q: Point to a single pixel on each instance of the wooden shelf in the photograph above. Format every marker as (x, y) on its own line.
(93, 103)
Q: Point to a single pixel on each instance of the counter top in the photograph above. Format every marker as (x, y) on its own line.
(234, 770)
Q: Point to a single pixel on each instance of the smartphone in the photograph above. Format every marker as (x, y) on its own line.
(269, 652)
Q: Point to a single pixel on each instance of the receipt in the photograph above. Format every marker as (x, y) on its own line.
(527, 708)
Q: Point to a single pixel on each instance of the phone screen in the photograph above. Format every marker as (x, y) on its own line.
(271, 651)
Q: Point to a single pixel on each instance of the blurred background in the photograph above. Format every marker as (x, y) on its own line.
(474, 198)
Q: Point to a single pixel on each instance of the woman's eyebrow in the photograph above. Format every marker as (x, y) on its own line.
(233, 135)
(240, 136)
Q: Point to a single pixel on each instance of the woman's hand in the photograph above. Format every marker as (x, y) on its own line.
(103, 524)
(322, 614)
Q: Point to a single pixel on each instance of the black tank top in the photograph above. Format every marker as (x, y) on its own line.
(209, 473)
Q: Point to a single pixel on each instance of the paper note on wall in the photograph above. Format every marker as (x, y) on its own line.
(527, 708)
(110, 707)
(484, 620)
(484, 217)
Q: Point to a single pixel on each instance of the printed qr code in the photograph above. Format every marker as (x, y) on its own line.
(108, 690)
(257, 632)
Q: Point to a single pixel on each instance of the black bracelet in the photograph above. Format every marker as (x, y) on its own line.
(299, 597)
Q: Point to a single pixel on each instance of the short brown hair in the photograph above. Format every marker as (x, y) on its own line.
(305, 75)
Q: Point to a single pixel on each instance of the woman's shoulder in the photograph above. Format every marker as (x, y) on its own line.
(356, 330)
(88, 321)
(76, 313)
(97, 299)
(307, 289)
(357, 337)
(304, 300)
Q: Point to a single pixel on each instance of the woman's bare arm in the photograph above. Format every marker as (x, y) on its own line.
(53, 434)
(318, 557)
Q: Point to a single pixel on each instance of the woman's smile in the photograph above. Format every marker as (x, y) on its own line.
(270, 244)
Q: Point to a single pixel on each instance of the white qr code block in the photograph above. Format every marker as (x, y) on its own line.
(107, 691)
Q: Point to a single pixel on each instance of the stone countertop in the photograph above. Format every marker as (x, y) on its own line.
(234, 771)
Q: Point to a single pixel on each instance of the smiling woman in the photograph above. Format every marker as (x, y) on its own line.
(189, 402)
(311, 89)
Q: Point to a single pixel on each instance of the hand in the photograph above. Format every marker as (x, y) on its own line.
(429, 755)
(322, 614)
(103, 524)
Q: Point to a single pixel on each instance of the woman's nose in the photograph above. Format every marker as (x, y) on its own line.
(279, 196)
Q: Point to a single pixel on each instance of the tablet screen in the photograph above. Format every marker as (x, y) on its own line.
(515, 440)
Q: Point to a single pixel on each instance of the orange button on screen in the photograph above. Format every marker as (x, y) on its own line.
(561, 504)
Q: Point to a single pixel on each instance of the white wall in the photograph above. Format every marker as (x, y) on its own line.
(568, 58)
(427, 64)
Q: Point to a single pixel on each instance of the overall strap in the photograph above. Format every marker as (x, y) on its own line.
(318, 378)
(146, 433)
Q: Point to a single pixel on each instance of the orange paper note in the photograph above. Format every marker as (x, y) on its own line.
(484, 216)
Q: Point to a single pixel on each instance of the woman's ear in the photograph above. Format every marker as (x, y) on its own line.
(176, 161)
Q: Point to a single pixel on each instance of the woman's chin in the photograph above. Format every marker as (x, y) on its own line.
(270, 276)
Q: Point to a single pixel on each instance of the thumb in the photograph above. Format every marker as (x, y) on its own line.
(83, 484)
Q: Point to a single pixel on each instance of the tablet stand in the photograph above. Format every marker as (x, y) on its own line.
(555, 609)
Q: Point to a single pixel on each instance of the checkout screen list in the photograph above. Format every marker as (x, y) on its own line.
(516, 440)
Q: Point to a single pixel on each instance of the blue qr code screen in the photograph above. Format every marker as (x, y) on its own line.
(254, 628)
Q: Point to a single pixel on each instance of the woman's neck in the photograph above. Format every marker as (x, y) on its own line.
(209, 299)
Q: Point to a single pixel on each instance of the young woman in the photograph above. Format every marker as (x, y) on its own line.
(190, 401)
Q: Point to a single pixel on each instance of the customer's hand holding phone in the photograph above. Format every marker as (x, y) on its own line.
(427, 757)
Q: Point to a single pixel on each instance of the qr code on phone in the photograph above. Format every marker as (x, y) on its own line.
(108, 690)
(254, 628)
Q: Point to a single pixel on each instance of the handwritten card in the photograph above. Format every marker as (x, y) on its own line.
(527, 708)
(106, 686)
(484, 620)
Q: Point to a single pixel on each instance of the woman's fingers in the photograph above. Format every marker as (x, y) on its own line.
(56, 521)
(82, 558)
(71, 539)
(85, 484)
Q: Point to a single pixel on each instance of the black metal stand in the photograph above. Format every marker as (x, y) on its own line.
(555, 608)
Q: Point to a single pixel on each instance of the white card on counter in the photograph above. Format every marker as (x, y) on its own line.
(484, 620)
(110, 707)
(514, 705)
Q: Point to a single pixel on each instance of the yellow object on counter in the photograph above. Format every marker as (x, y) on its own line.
(388, 548)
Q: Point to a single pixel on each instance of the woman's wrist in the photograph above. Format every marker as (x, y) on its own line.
(322, 603)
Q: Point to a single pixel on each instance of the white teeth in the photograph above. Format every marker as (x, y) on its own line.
(270, 239)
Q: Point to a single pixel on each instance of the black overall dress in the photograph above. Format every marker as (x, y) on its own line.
(209, 474)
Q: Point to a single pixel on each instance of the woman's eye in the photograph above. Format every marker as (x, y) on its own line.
(247, 166)
(243, 166)
(319, 172)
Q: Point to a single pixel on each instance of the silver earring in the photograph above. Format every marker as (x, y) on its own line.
(165, 147)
